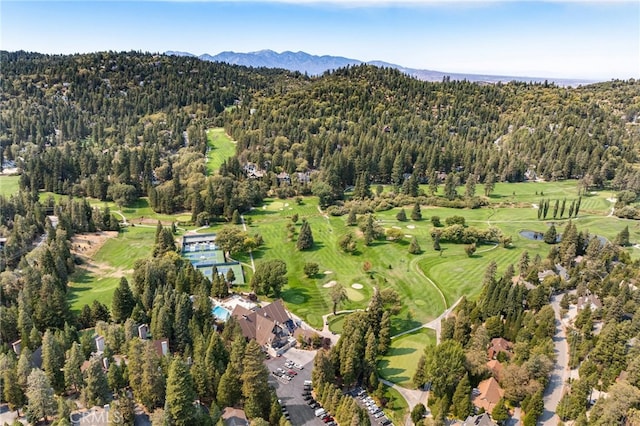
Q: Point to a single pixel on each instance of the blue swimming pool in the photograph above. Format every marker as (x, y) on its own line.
(221, 313)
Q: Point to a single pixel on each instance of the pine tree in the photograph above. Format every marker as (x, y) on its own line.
(12, 391)
(72, 374)
(122, 411)
(622, 239)
(235, 218)
(180, 394)
(123, 301)
(555, 208)
(384, 336)
(352, 218)
(575, 212)
(53, 360)
(550, 237)
(368, 230)
(416, 214)
(499, 412)
(414, 247)
(305, 238)
(96, 387)
(40, 396)
(401, 216)
(255, 387)
(462, 398)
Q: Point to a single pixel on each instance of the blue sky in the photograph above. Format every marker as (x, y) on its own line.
(554, 38)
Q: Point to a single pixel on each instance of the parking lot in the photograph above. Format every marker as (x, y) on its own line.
(290, 390)
(376, 414)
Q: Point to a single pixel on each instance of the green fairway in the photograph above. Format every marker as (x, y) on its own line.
(116, 258)
(221, 147)
(399, 364)
(9, 185)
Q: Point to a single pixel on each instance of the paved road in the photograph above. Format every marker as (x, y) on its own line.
(555, 389)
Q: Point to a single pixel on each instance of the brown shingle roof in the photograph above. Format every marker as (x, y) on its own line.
(490, 393)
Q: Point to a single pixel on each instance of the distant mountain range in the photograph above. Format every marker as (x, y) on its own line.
(316, 65)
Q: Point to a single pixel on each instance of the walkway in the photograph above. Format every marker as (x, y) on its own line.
(244, 228)
(412, 396)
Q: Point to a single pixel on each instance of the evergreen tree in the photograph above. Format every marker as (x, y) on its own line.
(352, 218)
(500, 413)
(622, 239)
(230, 386)
(255, 387)
(338, 295)
(416, 214)
(414, 247)
(550, 237)
(417, 414)
(555, 208)
(123, 301)
(461, 401)
(53, 360)
(433, 183)
(40, 396)
(384, 336)
(122, 411)
(450, 183)
(12, 392)
(489, 183)
(305, 238)
(72, 374)
(180, 394)
(368, 230)
(401, 216)
(577, 208)
(235, 218)
(96, 387)
(470, 186)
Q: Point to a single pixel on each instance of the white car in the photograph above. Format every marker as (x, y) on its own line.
(298, 366)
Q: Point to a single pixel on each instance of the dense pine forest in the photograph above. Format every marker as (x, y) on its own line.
(120, 126)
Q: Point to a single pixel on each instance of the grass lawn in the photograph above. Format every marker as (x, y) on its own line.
(399, 364)
(97, 280)
(397, 408)
(9, 185)
(221, 147)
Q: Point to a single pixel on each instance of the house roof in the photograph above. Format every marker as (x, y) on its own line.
(496, 368)
(275, 310)
(480, 420)
(261, 323)
(161, 346)
(234, 417)
(488, 395)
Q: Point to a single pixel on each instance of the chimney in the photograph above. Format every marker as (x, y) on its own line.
(143, 330)
(100, 344)
(17, 347)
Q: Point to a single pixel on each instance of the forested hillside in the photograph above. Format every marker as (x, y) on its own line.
(123, 125)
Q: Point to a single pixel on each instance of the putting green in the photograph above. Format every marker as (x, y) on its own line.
(354, 295)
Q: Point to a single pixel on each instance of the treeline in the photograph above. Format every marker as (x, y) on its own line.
(559, 208)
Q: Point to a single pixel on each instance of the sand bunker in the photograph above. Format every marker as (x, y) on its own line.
(408, 236)
(328, 272)
(396, 227)
(330, 284)
(411, 227)
(357, 286)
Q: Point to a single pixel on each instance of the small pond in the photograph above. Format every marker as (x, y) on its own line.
(539, 236)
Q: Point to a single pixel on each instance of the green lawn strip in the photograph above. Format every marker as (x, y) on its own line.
(85, 287)
(9, 185)
(398, 365)
(221, 147)
(118, 255)
(396, 408)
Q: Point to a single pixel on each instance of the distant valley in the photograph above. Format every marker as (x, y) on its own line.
(316, 65)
